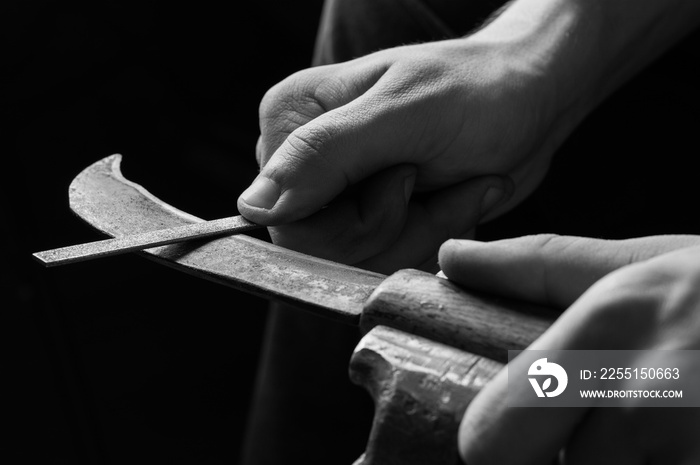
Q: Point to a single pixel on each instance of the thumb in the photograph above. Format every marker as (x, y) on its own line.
(547, 269)
(317, 139)
(315, 163)
(300, 178)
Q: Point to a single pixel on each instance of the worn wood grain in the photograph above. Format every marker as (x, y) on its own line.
(438, 309)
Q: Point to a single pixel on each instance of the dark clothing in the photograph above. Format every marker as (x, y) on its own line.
(627, 171)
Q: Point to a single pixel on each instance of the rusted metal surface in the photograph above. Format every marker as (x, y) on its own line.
(420, 390)
(102, 197)
(414, 301)
(146, 240)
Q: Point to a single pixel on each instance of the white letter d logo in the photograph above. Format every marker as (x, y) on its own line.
(542, 367)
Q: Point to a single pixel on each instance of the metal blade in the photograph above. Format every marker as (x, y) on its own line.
(109, 247)
(102, 197)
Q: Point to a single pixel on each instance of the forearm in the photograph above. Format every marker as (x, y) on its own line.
(585, 49)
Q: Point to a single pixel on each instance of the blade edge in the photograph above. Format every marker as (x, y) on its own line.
(115, 206)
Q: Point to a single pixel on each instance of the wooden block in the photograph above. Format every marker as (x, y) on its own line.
(420, 390)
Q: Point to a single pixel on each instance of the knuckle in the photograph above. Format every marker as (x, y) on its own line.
(535, 243)
(312, 144)
(380, 227)
(293, 101)
(555, 245)
(646, 289)
(546, 242)
(370, 232)
(627, 298)
(678, 277)
(331, 92)
(271, 101)
(367, 237)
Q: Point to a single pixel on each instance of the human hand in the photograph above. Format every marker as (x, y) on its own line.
(377, 161)
(636, 294)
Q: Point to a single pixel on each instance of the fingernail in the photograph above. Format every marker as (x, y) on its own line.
(263, 193)
(408, 183)
(492, 197)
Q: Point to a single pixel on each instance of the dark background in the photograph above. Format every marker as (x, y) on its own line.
(124, 361)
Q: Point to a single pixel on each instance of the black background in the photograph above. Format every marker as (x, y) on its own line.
(124, 361)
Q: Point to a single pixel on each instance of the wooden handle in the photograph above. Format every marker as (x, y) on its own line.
(420, 390)
(425, 305)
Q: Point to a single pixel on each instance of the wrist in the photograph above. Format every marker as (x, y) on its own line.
(583, 50)
(552, 41)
